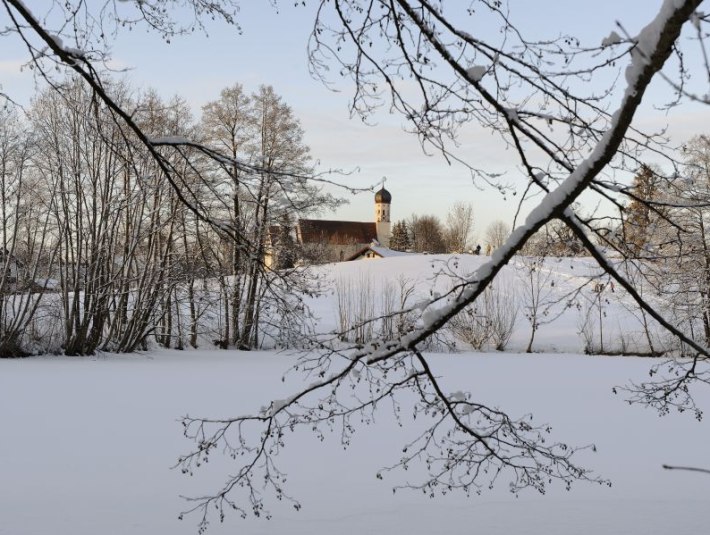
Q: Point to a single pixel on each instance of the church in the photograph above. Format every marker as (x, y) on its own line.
(321, 240)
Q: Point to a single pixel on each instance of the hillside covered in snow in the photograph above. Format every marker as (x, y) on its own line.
(569, 304)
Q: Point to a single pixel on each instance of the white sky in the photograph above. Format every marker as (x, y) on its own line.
(272, 50)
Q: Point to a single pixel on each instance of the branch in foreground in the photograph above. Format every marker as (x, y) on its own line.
(686, 468)
(466, 445)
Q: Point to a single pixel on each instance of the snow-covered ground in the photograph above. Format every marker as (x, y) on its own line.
(573, 292)
(579, 310)
(87, 445)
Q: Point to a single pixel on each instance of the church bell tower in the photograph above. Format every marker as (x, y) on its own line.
(383, 200)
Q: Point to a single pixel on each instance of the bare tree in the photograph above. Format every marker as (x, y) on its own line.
(490, 322)
(459, 227)
(539, 297)
(228, 126)
(555, 239)
(497, 233)
(267, 178)
(428, 234)
(666, 226)
(113, 222)
(27, 250)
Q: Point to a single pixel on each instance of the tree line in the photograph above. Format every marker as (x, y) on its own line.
(100, 252)
(456, 234)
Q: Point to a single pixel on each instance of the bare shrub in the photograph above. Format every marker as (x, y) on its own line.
(471, 326)
(343, 300)
(355, 308)
(489, 322)
(502, 308)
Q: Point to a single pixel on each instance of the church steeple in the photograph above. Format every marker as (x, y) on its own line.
(383, 200)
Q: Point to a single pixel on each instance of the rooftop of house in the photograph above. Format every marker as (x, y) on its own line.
(379, 250)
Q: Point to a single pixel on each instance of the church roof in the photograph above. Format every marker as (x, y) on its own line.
(383, 196)
(336, 232)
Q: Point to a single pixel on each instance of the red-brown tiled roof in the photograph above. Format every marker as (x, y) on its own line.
(336, 232)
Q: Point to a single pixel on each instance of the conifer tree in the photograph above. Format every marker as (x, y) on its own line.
(286, 246)
(400, 237)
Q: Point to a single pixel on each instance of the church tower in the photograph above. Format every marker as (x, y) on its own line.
(383, 200)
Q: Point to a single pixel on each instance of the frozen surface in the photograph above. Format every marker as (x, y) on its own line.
(87, 446)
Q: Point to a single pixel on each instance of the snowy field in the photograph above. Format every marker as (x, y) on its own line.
(88, 443)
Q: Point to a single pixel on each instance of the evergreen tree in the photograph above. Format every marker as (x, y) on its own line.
(400, 237)
(285, 245)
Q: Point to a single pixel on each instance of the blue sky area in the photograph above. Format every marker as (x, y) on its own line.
(272, 49)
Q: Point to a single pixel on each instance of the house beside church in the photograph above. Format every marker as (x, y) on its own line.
(375, 250)
(321, 240)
